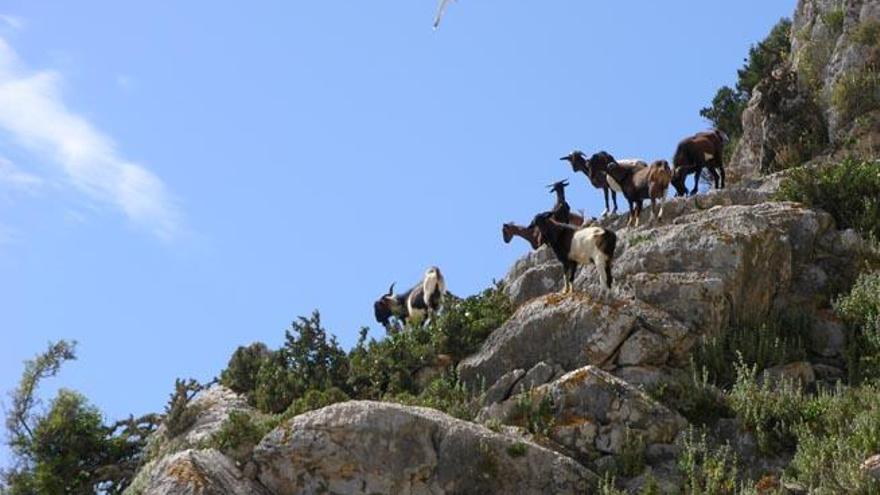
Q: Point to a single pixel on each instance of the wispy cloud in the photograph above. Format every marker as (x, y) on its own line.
(13, 177)
(34, 114)
(12, 21)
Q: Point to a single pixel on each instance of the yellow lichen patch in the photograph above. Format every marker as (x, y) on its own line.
(571, 419)
(188, 474)
(576, 379)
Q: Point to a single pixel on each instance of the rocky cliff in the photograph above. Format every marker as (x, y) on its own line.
(824, 100)
(561, 385)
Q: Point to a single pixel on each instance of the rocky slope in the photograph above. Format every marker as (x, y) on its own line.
(574, 368)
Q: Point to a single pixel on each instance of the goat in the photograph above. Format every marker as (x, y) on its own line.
(639, 182)
(561, 213)
(530, 233)
(594, 169)
(425, 298)
(578, 246)
(702, 150)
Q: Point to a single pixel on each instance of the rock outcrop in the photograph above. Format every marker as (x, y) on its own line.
(372, 447)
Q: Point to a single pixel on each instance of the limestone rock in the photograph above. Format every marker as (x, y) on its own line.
(193, 472)
(371, 447)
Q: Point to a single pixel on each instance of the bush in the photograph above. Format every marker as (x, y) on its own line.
(769, 410)
(534, 412)
(778, 341)
(707, 469)
(860, 310)
(834, 20)
(857, 93)
(693, 396)
(240, 374)
(445, 394)
(315, 399)
(387, 367)
(179, 413)
(68, 448)
(849, 191)
(241, 432)
(840, 429)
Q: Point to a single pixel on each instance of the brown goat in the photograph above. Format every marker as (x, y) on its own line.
(594, 168)
(702, 150)
(640, 182)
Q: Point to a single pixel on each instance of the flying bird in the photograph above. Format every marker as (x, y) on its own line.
(441, 9)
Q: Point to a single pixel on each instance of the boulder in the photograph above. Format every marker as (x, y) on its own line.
(372, 447)
(871, 467)
(593, 413)
(572, 331)
(193, 472)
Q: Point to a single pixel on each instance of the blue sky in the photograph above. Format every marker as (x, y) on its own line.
(180, 178)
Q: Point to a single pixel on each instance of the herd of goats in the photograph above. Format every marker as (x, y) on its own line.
(572, 241)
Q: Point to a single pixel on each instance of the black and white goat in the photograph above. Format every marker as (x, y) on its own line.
(414, 305)
(578, 246)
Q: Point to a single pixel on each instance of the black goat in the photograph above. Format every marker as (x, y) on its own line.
(578, 246)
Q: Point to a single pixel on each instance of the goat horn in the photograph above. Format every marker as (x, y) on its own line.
(568, 157)
(391, 289)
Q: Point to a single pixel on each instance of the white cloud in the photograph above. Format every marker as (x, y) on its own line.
(13, 177)
(33, 113)
(12, 21)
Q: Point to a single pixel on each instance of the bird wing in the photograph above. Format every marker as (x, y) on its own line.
(441, 9)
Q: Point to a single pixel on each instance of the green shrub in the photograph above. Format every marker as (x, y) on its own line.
(693, 396)
(707, 469)
(445, 394)
(840, 429)
(631, 461)
(860, 310)
(517, 449)
(868, 33)
(240, 374)
(241, 432)
(387, 367)
(315, 399)
(465, 323)
(834, 20)
(769, 410)
(534, 412)
(849, 191)
(857, 93)
(275, 386)
(777, 341)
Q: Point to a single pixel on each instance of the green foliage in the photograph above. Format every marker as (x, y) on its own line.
(517, 449)
(708, 469)
(465, 323)
(534, 412)
(631, 461)
(445, 394)
(693, 396)
(68, 448)
(868, 33)
(179, 413)
(726, 110)
(240, 374)
(860, 310)
(315, 399)
(727, 107)
(834, 19)
(241, 432)
(857, 93)
(840, 429)
(769, 410)
(388, 367)
(274, 386)
(778, 341)
(849, 191)
(608, 486)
